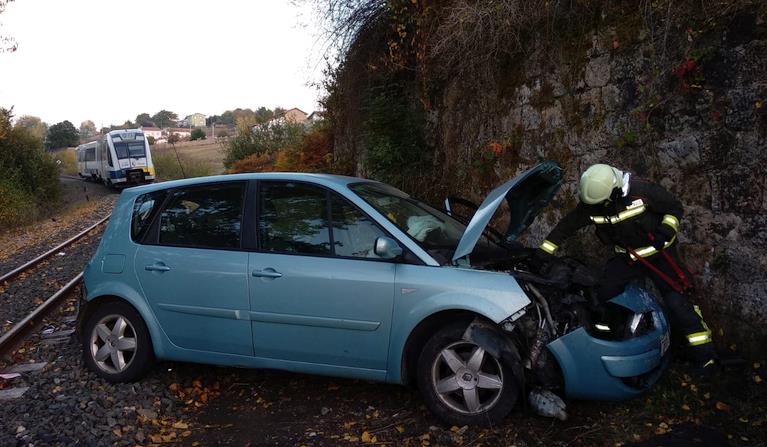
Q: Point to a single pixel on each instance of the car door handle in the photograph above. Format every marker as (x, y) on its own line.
(157, 268)
(267, 273)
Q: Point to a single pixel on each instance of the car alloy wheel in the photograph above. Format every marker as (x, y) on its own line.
(113, 344)
(466, 379)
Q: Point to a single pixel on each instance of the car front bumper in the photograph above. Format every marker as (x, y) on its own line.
(600, 369)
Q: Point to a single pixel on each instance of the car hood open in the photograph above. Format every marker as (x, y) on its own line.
(526, 194)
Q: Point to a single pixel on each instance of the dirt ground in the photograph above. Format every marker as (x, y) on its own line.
(277, 408)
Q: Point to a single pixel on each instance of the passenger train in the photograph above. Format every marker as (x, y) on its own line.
(120, 158)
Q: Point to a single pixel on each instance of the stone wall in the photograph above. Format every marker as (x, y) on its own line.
(696, 127)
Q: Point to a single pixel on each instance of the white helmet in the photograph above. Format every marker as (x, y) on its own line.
(597, 183)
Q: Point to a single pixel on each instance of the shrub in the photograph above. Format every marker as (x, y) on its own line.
(262, 139)
(394, 130)
(253, 163)
(197, 134)
(30, 180)
(68, 160)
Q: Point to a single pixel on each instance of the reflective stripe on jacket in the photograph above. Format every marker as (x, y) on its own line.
(625, 221)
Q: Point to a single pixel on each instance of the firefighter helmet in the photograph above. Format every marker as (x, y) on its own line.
(597, 183)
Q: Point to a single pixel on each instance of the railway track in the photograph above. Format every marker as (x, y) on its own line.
(13, 337)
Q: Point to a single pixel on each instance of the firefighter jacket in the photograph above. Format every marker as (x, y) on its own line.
(634, 218)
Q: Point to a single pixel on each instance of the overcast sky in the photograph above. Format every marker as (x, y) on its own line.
(109, 60)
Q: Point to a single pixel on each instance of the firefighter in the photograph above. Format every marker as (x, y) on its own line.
(637, 215)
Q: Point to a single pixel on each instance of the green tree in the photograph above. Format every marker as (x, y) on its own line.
(87, 129)
(263, 114)
(63, 134)
(198, 134)
(143, 119)
(164, 118)
(34, 125)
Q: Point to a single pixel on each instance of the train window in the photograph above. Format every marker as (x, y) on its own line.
(90, 154)
(144, 210)
(207, 217)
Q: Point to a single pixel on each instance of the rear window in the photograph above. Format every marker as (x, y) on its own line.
(144, 209)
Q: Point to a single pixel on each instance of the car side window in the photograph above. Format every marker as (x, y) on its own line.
(204, 217)
(293, 218)
(354, 233)
(144, 209)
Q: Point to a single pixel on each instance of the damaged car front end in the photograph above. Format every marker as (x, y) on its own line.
(565, 340)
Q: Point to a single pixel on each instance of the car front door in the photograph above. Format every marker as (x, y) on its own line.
(193, 272)
(318, 293)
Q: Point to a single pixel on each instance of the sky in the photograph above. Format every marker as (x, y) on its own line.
(109, 60)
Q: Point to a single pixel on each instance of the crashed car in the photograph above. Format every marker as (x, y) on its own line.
(349, 277)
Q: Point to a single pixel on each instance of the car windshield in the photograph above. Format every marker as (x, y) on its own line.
(433, 230)
(130, 150)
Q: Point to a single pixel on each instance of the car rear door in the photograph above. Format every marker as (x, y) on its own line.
(318, 297)
(193, 271)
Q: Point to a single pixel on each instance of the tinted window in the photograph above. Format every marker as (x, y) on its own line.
(293, 218)
(207, 217)
(354, 234)
(144, 209)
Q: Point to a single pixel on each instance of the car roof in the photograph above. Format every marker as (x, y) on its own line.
(330, 180)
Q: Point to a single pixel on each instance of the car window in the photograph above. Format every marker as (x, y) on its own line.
(208, 217)
(144, 208)
(293, 218)
(354, 234)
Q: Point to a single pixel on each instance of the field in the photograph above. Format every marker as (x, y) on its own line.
(198, 158)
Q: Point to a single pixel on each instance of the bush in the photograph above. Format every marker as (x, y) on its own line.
(197, 134)
(30, 180)
(394, 131)
(167, 167)
(253, 163)
(68, 159)
(263, 139)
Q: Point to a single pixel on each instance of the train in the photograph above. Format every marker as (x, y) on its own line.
(121, 158)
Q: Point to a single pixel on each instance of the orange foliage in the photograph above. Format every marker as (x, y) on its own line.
(253, 163)
(313, 155)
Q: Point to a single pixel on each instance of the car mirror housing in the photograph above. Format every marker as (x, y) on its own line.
(387, 248)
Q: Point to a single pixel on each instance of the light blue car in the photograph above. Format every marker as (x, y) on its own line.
(349, 277)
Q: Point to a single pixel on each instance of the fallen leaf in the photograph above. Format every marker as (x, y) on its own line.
(400, 429)
(454, 428)
(686, 407)
(117, 432)
(757, 379)
(181, 425)
(155, 438)
(721, 406)
(757, 365)
(365, 436)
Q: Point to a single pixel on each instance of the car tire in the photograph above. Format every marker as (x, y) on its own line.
(116, 343)
(457, 388)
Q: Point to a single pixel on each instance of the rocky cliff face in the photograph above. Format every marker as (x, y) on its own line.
(698, 128)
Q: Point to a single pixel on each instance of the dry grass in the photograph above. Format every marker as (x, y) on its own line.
(206, 154)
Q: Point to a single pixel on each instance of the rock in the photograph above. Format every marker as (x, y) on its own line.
(598, 72)
(149, 414)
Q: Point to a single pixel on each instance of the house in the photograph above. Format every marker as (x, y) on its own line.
(181, 132)
(154, 132)
(194, 120)
(294, 115)
(315, 117)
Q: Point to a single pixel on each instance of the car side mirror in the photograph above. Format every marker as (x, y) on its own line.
(387, 248)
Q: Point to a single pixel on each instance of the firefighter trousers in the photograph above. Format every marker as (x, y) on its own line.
(686, 319)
